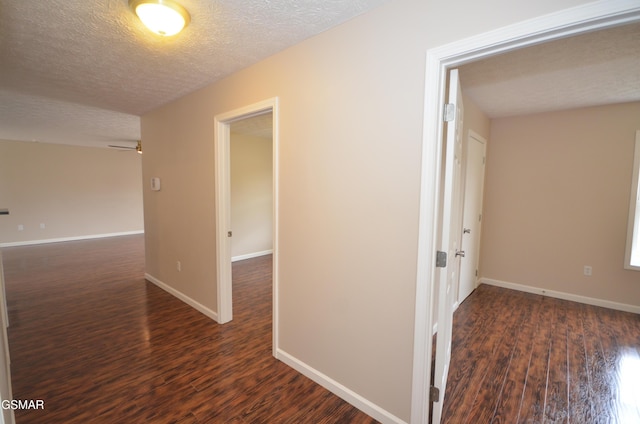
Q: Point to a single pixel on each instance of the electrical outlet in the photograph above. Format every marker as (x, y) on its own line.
(20, 227)
(179, 266)
(588, 270)
(42, 226)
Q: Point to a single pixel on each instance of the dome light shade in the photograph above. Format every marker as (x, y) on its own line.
(164, 17)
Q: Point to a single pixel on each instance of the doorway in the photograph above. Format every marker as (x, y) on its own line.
(562, 24)
(474, 158)
(224, 230)
(251, 169)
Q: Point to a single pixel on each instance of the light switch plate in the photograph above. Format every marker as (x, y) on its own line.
(155, 184)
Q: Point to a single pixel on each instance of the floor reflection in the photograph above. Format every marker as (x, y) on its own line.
(628, 396)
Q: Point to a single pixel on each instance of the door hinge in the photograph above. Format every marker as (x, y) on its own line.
(441, 259)
(449, 112)
(434, 394)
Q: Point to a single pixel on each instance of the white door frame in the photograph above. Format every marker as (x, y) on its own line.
(222, 154)
(581, 19)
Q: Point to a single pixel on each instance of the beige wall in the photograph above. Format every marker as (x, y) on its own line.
(351, 118)
(74, 191)
(557, 199)
(251, 195)
(475, 119)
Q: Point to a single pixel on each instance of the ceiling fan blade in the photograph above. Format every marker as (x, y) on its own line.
(121, 147)
(137, 147)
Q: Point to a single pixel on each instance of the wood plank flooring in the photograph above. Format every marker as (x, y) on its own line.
(523, 358)
(99, 344)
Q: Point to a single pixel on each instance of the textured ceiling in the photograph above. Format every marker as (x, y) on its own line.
(255, 126)
(591, 69)
(80, 72)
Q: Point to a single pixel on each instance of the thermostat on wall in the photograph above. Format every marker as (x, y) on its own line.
(155, 184)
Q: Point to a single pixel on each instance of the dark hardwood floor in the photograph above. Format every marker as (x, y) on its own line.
(524, 358)
(99, 344)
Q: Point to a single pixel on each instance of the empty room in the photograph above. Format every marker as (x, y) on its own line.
(127, 299)
(551, 324)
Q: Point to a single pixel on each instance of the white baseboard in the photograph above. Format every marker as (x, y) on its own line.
(339, 390)
(186, 299)
(61, 239)
(251, 255)
(562, 295)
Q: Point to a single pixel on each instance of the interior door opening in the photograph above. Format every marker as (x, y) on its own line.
(251, 187)
(565, 23)
(254, 123)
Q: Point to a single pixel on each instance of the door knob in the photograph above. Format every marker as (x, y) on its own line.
(460, 253)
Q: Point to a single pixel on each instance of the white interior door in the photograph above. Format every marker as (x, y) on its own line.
(450, 241)
(472, 213)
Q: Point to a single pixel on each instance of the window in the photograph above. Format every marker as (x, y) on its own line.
(632, 256)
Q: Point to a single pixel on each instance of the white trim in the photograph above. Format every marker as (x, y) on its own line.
(427, 239)
(632, 231)
(562, 295)
(564, 23)
(339, 390)
(572, 21)
(477, 136)
(251, 255)
(186, 299)
(6, 391)
(75, 238)
(223, 212)
(223, 219)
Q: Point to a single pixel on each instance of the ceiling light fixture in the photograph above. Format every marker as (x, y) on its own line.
(164, 17)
